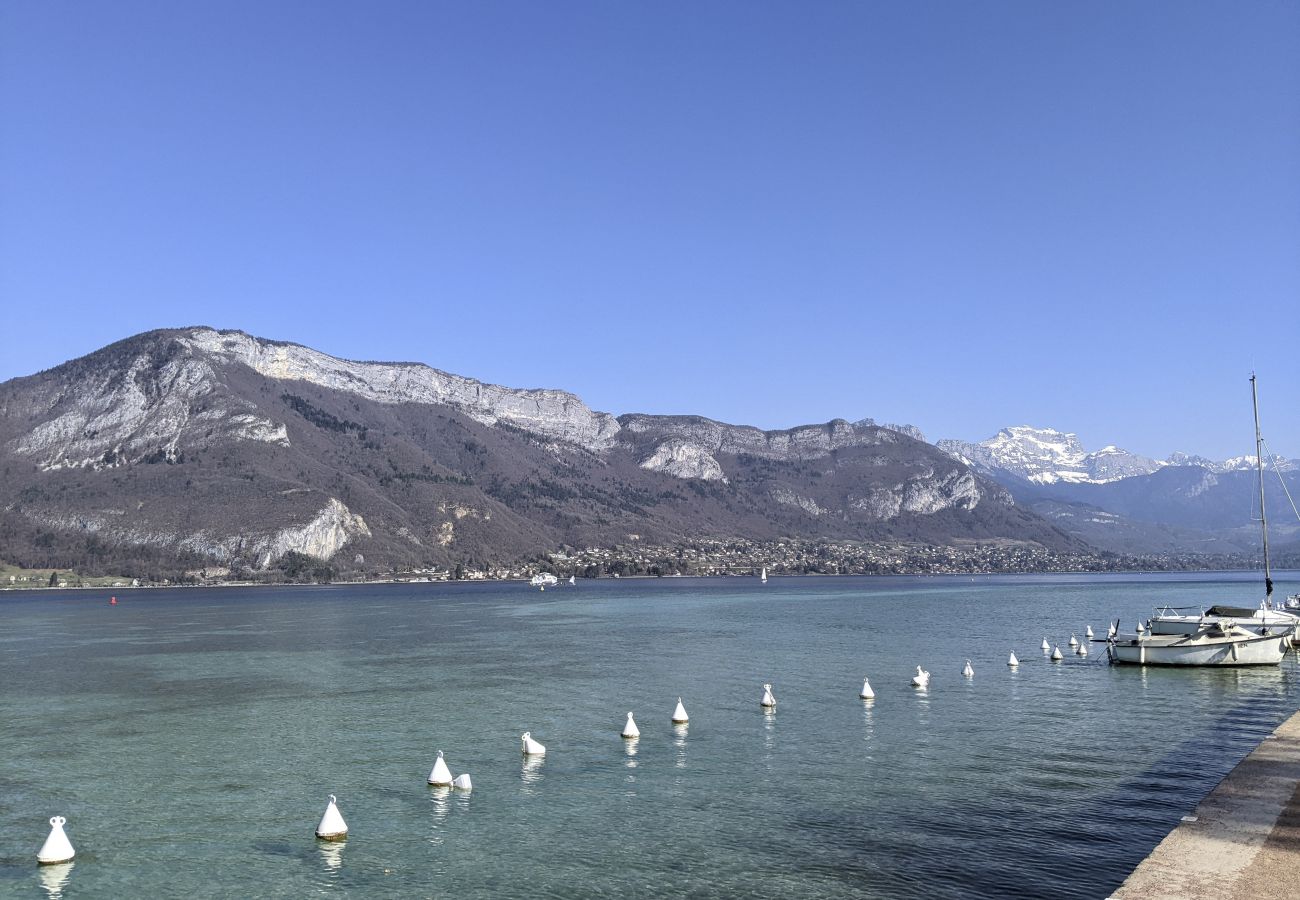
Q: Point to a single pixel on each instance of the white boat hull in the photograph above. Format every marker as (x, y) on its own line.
(1243, 649)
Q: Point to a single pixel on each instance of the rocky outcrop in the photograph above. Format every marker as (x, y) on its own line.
(787, 497)
(110, 418)
(552, 413)
(683, 459)
(802, 443)
(323, 536)
(923, 494)
(910, 430)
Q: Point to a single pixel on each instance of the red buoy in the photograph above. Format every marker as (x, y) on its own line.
(112, 601)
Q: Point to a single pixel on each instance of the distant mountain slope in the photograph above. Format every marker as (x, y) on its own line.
(193, 446)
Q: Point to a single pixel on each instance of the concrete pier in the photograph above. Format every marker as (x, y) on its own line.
(1242, 841)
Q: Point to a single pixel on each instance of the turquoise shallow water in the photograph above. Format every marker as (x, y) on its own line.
(192, 737)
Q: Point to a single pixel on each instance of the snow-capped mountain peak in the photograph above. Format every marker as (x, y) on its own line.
(1046, 456)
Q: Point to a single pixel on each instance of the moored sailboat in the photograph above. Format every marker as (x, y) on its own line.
(1221, 635)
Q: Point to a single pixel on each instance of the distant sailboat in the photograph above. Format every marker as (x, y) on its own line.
(763, 575)
(573, 579)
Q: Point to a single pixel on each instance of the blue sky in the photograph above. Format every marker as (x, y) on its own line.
(959, 215)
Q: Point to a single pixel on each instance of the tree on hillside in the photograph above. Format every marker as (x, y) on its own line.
(54, 579)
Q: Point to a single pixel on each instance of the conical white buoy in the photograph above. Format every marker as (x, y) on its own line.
(531, 747)
(441, 775)
(630, 730)
(1074, 641)
(1088, 632)
(463, 783)
(768, 700)
(967, 670)
(57, 848)
(867, 692)
(1111, 631)
(1046, 646)
(921, 678)
(1012, 661)
(1083, 650)
(1141, 628)
(1056, 654)
(679, 714)
(332, 827)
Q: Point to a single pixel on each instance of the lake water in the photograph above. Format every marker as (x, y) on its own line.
(192, 738)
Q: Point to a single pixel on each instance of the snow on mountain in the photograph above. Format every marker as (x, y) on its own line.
(1048, 456)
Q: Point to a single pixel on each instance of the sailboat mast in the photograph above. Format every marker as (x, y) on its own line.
(1263, 515)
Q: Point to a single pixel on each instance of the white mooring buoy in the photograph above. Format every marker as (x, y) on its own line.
(768, 700)
(57, 848)
(1083, 650)
(967, 670)
(867, 692)
(1074, 641)
(1012, 660)
(1056, 654)
(679, 714)
(441, 775)
(532, 747)
(921, 678)
(463, 783)
(332, 827)
(1088, 632)
(1046, 646)
(1141, 628)
(630, 730)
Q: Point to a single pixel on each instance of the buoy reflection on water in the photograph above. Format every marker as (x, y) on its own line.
(332, 854)
(54, 878)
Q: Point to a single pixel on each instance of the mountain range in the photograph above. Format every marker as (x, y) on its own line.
(190, 447)
(1128, 503)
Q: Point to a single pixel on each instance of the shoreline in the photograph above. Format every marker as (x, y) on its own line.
(1174, 574)
(1242, 840)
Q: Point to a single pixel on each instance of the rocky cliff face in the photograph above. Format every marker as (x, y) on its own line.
(225, 448)
(111, 416)
(555, 414)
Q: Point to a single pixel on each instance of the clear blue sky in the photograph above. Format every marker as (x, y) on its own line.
(960, 215)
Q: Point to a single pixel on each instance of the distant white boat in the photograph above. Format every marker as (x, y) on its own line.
(763, 575)
(573, 579)
(544, 580)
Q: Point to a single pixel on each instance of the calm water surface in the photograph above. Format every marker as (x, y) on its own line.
(192, 737)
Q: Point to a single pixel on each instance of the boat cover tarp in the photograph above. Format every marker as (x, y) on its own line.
(1236, 612)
